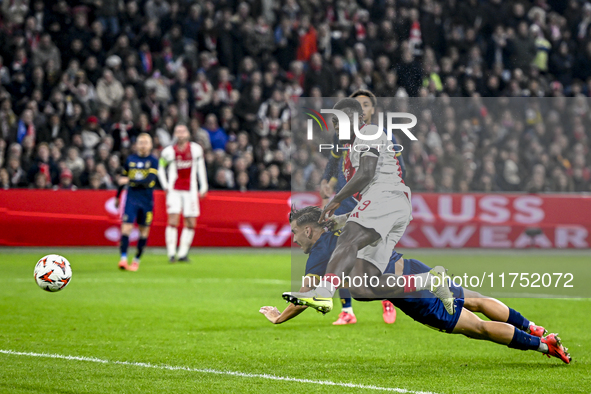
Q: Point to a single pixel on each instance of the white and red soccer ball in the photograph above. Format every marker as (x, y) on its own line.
(53, 272)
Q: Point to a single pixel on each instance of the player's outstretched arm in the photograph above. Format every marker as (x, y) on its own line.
(362, 177)
(162, 164)
(202, 176)
(276, 317)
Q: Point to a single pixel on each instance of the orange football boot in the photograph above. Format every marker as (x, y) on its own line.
(345, 318)
(537, 331)
(556, 349)
(135, 265)
(389, 312)
(123, 264)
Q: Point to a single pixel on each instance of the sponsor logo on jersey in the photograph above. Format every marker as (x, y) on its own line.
(182, 164)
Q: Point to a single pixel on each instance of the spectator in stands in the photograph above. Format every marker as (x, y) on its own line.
(65, 182)
(318, 76)
(24, 127)
(47, 52)
(109, 90)
(40, 181)
(217, 135)
(17, 176)
(44, 164)
(240, 69)
(4, 179)
(74, 162)
(53, 130)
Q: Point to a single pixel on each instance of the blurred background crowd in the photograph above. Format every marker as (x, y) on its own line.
(79, 80)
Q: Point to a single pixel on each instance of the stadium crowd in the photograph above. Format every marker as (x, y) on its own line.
(79, 80)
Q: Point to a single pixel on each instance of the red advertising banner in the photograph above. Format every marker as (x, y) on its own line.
(259, 219)
(499, 221)
(89, 218)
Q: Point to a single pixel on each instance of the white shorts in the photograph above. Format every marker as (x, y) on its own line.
(379, 254)
(388, 212)
(182, 200)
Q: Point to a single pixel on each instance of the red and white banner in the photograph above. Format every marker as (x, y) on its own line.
(499, 221)
(89, 218)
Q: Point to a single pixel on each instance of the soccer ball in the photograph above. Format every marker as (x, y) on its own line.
(53, 272)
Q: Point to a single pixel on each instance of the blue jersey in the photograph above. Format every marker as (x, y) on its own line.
(320, 254)
(336, 169)
(322, 250)
(142, 173)
(421, 306)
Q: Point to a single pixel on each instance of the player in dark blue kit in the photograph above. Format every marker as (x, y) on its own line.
(333, 181)
(508, 327)
(139, 174)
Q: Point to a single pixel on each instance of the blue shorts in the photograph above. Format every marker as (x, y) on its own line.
(138, 211)
(424, 307)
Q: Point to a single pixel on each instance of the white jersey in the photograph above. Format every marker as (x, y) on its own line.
(388, 169)
(180, 170)
(385, 203)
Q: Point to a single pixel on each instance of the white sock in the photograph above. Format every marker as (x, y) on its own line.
(423, 281)
(186, 240)
(348, 310)
(171, 235)
(543, 347)
(326, 289)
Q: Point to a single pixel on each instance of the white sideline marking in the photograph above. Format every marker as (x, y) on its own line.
(215, 372)
(560, 297)
(129, 280)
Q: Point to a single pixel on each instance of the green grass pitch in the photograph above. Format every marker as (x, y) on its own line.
(203, 318)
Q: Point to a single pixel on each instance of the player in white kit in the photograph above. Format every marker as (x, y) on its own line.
(180, 167)
(376, 224)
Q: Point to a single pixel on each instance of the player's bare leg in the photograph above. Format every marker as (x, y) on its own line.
(472, 326)
(171, 235)
(124, 244)
(497, 311)
(187, 236)
(141, 244)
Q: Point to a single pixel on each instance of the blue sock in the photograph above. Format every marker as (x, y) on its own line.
(345, 295)
(523, 341)
(140, 247)
(124, 245)
(516, 320)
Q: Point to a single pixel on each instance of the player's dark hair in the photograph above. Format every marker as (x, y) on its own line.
(349, 104)
(307, 215)
(367, 93)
